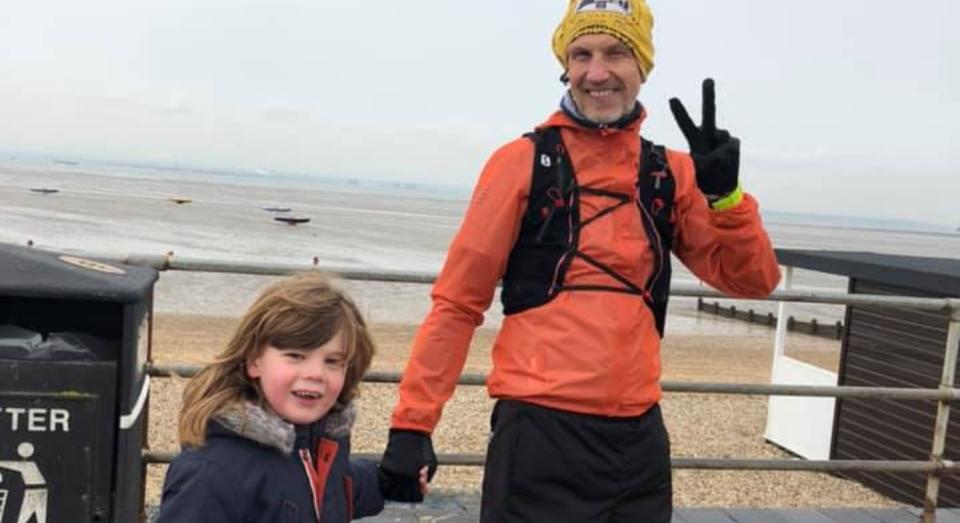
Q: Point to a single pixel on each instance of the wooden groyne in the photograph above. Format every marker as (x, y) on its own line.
(813, 327)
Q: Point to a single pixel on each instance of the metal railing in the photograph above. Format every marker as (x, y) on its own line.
(945, 395)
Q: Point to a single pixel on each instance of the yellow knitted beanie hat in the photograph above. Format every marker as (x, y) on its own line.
(628, 20)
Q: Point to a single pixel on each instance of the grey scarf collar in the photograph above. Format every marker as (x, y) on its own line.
(570, 107)
(266, 428)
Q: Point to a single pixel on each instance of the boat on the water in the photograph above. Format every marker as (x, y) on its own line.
(44, 190)
(291, 220)
(277, 209)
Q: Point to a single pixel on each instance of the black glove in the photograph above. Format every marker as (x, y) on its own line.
(716, 154)
(407, 452)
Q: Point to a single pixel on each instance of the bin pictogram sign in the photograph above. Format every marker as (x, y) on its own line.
(33, 498)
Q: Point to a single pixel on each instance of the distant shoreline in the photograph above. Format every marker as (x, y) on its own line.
(428, 190)
(924, 232)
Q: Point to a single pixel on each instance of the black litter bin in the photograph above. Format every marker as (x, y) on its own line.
(74, 337)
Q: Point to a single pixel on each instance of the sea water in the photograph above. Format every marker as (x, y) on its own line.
(121, 209)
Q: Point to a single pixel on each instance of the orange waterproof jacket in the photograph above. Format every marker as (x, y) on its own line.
(595, 352)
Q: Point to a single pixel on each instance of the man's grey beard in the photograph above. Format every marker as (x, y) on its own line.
(570, 103)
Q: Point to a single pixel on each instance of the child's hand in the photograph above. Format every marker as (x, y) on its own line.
(424, 488)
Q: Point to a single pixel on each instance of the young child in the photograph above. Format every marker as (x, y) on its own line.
(266, 426)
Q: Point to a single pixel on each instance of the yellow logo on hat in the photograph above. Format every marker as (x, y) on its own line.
(616, 6)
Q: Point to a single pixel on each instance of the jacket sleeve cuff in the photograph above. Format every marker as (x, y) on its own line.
(728, 201)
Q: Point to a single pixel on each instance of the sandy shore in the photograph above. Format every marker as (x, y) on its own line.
(700, 425)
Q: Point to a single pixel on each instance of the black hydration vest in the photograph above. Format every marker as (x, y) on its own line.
(550, 232)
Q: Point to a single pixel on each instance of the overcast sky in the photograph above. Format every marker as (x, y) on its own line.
(843, 106)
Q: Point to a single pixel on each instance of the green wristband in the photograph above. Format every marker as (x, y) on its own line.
(730, 200)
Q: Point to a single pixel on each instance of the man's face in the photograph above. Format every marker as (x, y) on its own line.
(604, 77)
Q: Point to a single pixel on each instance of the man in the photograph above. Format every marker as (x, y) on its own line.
(578, 219)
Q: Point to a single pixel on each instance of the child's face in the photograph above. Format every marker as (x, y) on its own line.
(301, 385)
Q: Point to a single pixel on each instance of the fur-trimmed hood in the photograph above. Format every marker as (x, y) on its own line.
(254, 466)
(258, 424)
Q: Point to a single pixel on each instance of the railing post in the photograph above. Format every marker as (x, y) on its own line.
(780, 339)
(943, 414)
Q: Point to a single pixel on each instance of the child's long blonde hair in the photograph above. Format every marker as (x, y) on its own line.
(303, 311)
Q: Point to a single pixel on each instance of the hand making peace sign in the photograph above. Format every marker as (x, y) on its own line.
(716, 154)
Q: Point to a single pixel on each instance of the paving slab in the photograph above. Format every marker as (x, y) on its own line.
(755, 515)
(436, 508)
(703, 515)
(805, 516)
(849, 515)
(943, 515)
(895, 516)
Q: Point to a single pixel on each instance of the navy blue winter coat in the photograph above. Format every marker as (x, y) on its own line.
(256, 468)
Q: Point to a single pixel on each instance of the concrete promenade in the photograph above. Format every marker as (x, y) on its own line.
(440, 508)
